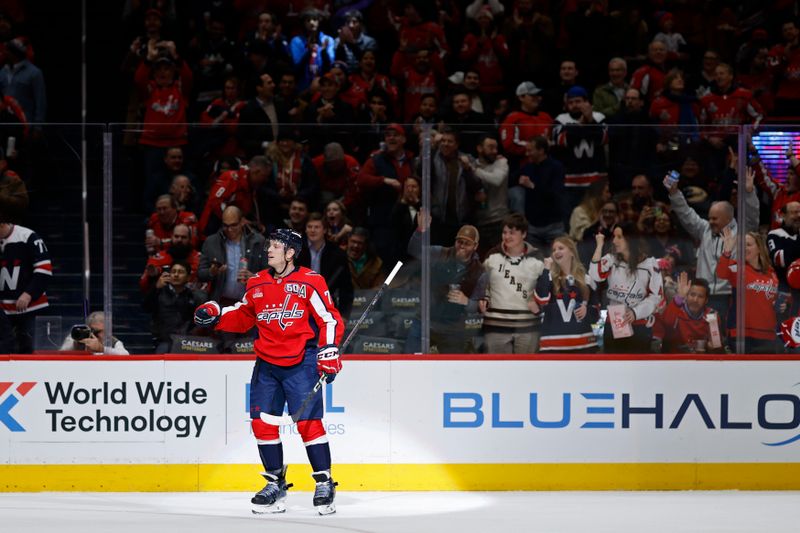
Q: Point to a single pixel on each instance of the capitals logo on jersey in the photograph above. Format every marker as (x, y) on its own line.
(282, 313)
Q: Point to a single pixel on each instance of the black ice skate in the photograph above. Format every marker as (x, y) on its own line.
(272, 498)
(325, 492)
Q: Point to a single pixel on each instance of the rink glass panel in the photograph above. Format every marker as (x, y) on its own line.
(405, 325)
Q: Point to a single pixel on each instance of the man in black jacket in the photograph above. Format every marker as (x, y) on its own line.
(546, 207)
(332, 117)
(470, 125)
(260, 118)
(328, 260)
(172, 305)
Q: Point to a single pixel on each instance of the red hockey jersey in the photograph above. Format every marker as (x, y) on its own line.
(780, 195)
(292, 313)
(164, 107)
(520, 127)
(649, 81)
(486, 54)
(231, 188)
(785, 63)
(415, 84)
(164, 231)
(759, 298)
(735, 106)
(676, 327)
(360, 87)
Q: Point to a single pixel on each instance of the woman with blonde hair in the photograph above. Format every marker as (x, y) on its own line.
(565, 293)
(761, 292)
(588, 211)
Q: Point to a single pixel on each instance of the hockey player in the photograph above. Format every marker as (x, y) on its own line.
(299, 333)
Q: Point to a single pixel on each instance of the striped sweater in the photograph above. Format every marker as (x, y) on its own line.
(511, 281)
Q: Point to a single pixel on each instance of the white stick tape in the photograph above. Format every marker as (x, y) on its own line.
(393, 273)
(273, 420)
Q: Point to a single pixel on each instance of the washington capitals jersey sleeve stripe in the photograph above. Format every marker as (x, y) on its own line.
(328, 328)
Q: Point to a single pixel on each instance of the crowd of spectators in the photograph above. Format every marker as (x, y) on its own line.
(551, 127)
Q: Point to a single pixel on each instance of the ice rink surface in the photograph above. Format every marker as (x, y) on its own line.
(407, 512)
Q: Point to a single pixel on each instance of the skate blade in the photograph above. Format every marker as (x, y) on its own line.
(326, 509)
(277, 507)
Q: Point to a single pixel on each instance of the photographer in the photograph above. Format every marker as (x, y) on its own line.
(90, 338)
(172, 304)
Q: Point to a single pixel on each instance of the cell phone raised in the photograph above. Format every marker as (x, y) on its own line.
(671, 178)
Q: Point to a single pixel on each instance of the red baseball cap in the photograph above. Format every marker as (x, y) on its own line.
(395, 127)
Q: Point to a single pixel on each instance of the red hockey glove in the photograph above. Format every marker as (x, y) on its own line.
(328, 361)
(207, 314)
(790, 332)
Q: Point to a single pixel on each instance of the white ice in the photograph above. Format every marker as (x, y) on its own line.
(407, 512)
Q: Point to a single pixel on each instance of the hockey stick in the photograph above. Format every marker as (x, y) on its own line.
(288, 420)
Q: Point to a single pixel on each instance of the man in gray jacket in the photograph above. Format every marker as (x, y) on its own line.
(492, 169)
(453, 188)
(230, 257)
(709, 235)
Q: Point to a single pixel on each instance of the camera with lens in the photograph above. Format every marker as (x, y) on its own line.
(80, 332)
